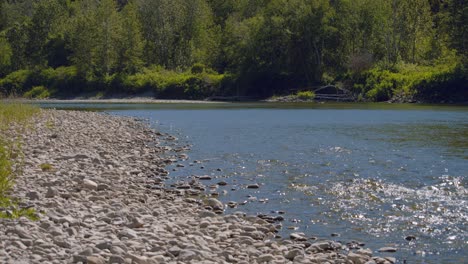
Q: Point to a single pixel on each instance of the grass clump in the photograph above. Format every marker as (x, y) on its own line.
(11, 210)
(305, 95)
(46, 167)
(14, 120)
(15, 114)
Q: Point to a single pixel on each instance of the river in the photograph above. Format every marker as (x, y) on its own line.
(375, 173)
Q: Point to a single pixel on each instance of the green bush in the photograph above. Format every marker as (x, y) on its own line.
(198, 68)
(195, 83)
(426, 83)
(62, 80)
(174, 85)
(382, 91)
(15, 83)
(305, 95)
(37, 92)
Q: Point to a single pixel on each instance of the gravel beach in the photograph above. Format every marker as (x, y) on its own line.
(97, 183)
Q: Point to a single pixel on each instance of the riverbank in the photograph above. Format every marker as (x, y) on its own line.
(129, 100)
(97, 183)
(210, 100)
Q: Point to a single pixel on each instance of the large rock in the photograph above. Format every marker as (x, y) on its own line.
(265, 258)
(215, 203)
(387, 249)
(33, 195)
(357, 258)
(116, 259)
(89, 184)
(294, 253)
(128, 233)
(19, 232)
(51, 192)
(298, 237)
(186, 255)
(95, 260)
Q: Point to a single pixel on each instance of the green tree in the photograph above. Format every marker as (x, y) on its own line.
(5, 55)
(204, 34)
(81, 38)
(17, 36)
(43, 28)
(109, 30)
(416, 29)
(130, 44)
(162, 23)
(94, 37)
(457, 23)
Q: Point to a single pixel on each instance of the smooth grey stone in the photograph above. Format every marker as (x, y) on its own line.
(387, 249)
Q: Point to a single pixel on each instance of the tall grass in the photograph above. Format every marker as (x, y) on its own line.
(14, 120)
(14, 114)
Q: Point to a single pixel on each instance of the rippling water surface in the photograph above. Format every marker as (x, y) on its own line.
(371, 173)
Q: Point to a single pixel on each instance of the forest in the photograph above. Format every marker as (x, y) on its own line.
(193, 49)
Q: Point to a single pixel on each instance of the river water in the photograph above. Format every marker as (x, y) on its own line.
(374, 173)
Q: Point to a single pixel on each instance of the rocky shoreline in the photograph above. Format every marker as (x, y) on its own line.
(97, 183)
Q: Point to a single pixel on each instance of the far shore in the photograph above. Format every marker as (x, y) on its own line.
(152, 100)
(132, 100)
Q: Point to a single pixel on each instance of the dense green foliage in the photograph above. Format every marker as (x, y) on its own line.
(197, 48)
(305, 95)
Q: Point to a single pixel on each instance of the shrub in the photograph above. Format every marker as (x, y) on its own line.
(382, 91)
(174, 85)
(62, 80)
(198, 68)
(37, 92)
(435, 83)
(15, 83)
(306, 95)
